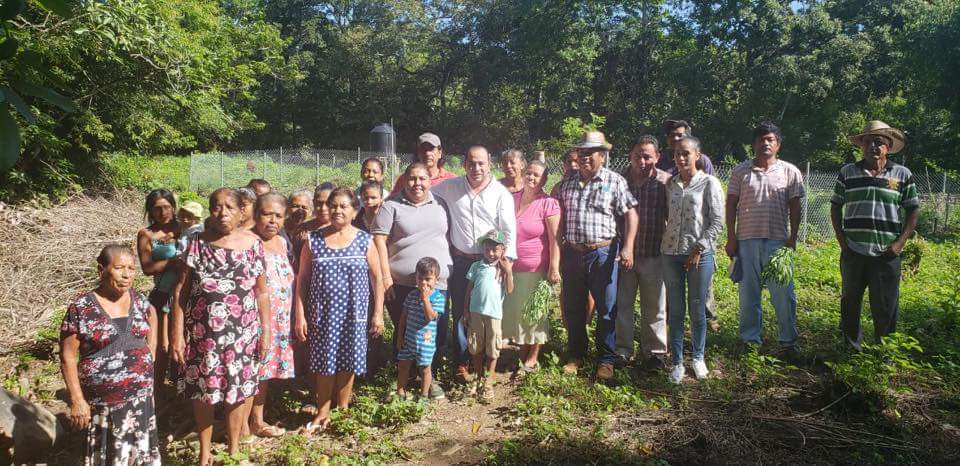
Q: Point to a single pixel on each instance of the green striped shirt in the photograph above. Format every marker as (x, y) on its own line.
(874, 206)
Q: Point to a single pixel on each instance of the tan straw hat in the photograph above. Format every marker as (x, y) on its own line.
(194, 208)
(594, 140)
(877, 127)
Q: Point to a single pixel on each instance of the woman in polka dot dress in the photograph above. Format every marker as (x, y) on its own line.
(338, 278)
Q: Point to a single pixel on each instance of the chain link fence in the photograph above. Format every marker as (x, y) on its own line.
(291, 169)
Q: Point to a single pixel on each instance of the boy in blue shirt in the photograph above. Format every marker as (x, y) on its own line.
(417, 337)
(487, 280)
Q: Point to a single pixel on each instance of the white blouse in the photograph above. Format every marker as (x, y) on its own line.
(695, 214)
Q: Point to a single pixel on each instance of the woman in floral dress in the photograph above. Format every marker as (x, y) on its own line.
(269, 213)
(339, 276)
(107, 344)
(221, 321)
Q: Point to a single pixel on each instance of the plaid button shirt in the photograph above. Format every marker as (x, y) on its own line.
(651, 196)
(590, 212)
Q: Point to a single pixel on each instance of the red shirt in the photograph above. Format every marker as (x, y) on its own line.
(442, 176)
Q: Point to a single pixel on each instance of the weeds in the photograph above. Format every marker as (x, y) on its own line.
(880, 370)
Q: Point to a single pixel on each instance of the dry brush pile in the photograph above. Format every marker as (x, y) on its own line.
(47, 256)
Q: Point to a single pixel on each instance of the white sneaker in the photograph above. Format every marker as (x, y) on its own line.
(700, 369)
(677, 373)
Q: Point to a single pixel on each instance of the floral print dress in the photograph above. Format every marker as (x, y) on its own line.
(116, 376)
(279, 361)
(222, 323)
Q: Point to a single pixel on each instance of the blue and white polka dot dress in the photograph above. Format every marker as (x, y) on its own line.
(339, 300)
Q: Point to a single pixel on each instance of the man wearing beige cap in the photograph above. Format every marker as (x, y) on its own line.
(593, 200)
(874, 211)
(429, 153)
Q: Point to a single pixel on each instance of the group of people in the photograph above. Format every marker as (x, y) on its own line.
(270, 287)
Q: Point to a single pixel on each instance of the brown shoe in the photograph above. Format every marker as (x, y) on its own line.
(605, 372)
(463, 374)
(572, 367)
(714, 325)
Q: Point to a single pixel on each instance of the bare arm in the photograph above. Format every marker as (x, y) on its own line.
(794, 222)
(553, 245)
(731, 214)
(266, 318)
(380, 244)
(145, 253)
(376, 285)
(180, 302)
(301, 290)
(896, 247)
(836, 219)
(154, 330)
(69, 355)
(630, 221)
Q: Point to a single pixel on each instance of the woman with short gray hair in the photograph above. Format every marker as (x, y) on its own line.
(512, 163)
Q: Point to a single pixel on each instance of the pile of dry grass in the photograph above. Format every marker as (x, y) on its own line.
(47, 256)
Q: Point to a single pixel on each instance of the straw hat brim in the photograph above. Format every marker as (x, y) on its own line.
(895, 135)
(594, 145)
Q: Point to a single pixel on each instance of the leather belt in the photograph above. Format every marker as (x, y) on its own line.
(459, 253)
(589, 247)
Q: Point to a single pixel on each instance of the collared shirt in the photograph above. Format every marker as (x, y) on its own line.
(763, 208)
(442, 175)
(695, 215)
(474, 215)
(414, 232)
(590, 211)
(486, 298)
(873, 206)
(651, 196)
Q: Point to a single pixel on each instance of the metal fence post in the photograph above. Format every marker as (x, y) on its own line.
(318, 169)
(221, 169)
(946, 204)
(264, 165)
(806, 205)
(190, 174)
(281, 165)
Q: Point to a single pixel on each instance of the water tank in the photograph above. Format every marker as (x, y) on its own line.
(383, 139)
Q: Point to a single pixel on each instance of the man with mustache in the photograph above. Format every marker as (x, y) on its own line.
(874, 210)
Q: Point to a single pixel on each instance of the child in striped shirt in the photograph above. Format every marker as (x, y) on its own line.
(417, 340)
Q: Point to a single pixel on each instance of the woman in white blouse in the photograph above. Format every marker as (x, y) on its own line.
(695, 220)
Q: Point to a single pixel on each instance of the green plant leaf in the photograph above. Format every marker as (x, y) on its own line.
(61, 7)
(22, 108)
(8, 48)
(9, 9)
(9, 140)
(51, 96)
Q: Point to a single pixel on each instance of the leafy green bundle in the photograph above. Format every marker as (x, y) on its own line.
(537, 307)
(780, 268)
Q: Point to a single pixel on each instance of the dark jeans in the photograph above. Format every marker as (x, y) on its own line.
(882, 276)
(593, 272)
(456, 295)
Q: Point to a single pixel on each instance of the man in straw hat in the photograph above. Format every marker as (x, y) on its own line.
(874, 211)
(593, 199)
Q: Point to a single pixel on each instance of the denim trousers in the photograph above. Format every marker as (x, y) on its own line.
(456, 298)
(882, 276)
(646, 277)
(687, 290)
(754, 255)
(593, 272)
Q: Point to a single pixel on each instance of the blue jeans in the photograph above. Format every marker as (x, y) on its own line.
(687, 290)
(754, 255)
(593, 272)
(456, 298)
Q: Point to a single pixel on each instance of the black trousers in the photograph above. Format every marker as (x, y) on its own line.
(882, 276)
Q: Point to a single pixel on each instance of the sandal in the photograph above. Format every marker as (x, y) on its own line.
(314, 429)
(528, 369)
(269, 431)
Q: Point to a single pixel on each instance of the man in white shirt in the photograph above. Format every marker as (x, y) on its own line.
(477, 204)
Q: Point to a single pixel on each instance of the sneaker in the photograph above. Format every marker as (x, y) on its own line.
(605, 372)
(700, 369)
(677, 373)
(436, 393)
(572, 367)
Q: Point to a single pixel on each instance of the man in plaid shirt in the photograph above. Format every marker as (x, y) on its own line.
(592, 201)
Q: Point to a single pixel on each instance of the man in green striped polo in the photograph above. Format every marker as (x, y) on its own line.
(874, 211)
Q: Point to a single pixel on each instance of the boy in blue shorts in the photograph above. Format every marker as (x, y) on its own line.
(417, 337)
(487, 280)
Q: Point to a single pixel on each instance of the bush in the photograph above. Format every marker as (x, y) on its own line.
(876, 371)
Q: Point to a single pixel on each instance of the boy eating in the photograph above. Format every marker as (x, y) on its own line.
(417, 328)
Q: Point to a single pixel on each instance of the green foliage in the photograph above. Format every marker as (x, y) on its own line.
(879, 369)
(912, 254)
(780, 268)
(49, 333)
(538, 305)
(367, 412)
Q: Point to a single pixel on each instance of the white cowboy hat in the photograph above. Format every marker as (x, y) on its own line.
(877, 127)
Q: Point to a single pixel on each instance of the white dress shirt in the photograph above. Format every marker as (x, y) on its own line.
(472, 216)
